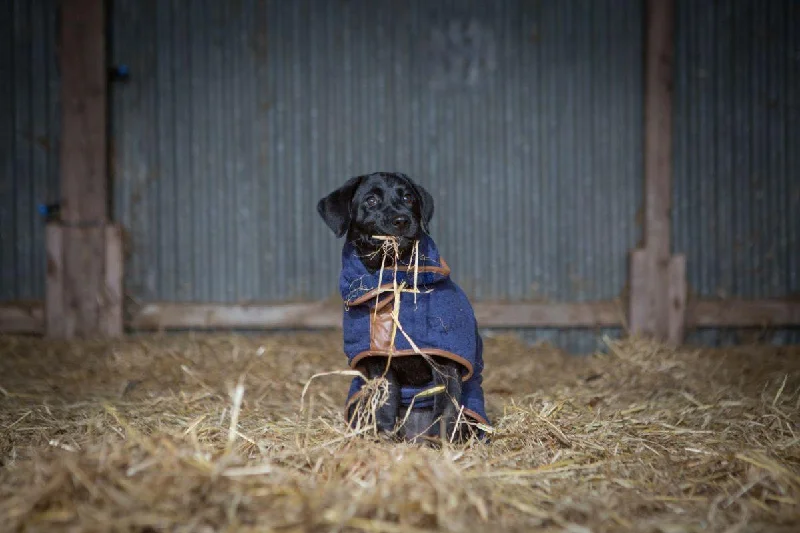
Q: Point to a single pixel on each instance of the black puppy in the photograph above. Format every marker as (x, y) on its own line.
(391, 204)
(382, 203)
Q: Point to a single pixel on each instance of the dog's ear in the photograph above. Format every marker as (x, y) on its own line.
(425, 201)
(335, 208)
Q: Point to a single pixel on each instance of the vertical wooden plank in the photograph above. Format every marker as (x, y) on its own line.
(84, 191)
(84, 280)
(54, 325)
(658, 154)
(658, 125)
(84, 176)
(111, 313)
(677, 296)
(640, 306)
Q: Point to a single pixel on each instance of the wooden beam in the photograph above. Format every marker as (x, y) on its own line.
(81, 301)
(659, 57)
(157, 316)
(28, 317)
(21, 317)
(154, 316)
(602, 313)
(650, 266)
(82, 52)
(739, 313)
(597, 314)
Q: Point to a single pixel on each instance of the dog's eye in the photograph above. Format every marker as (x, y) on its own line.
(371, 201)
(407, 198)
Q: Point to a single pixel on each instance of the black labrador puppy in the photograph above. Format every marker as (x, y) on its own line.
(391, 204)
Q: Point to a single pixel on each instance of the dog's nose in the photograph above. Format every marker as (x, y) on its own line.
(400, 222)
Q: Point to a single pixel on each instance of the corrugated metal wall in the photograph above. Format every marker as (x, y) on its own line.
(29, 130)
(523, 118)
(737, 150)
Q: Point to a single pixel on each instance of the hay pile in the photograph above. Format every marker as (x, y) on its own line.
(205, 434)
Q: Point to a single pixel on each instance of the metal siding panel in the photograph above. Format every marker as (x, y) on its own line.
(791, 203)
(24, 208)
(203, 179)
(165, 69)
(523, 120)
(33, 266)
(8, 275)
(7, 147)
(186, 156)
(736, 176)
(28, 143)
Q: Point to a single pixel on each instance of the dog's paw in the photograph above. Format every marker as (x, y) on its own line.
(386, 418)
(381, 421)
(417, 425)
(445, 427)
(446, 405)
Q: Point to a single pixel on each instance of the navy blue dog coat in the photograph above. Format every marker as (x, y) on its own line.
(441, 322)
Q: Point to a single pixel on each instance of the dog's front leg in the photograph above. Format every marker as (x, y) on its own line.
(386, 414)
(447, 404)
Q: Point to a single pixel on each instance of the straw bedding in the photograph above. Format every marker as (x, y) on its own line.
(205, 433)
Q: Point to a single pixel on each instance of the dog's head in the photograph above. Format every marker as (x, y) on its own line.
(382, 203)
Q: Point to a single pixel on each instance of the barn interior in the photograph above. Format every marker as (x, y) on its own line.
(617, 190)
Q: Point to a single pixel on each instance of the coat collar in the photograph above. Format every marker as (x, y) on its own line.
(357, 285)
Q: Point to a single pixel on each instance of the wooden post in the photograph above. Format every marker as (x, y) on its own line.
(84, 83)
(111, 318)
(54, 316)
(650, 310)
(677, 296)
(641, 317)
(27, 316)
(658, 127)
(658, 156)
(82, 250)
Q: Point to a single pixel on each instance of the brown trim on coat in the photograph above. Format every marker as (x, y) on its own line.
(476, 416)
(405, 353)
(386, 287)
(443, 270)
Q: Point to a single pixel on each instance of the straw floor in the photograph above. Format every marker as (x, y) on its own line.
(205, 434)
